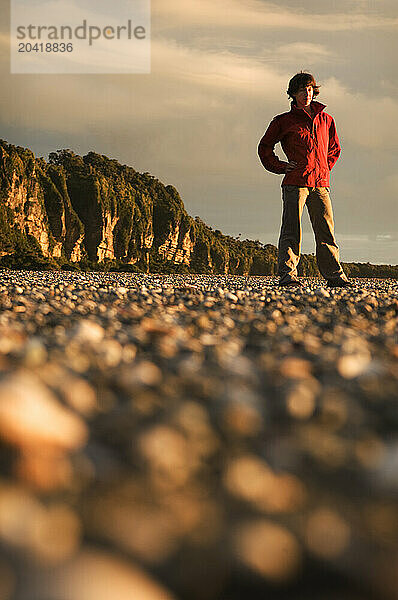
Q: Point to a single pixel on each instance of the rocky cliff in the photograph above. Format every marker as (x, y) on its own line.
(92, 211)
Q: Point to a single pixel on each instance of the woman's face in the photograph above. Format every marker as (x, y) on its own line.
(304, 95)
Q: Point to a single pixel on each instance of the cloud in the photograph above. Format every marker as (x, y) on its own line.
(178, 86)
(256, 14)
(223, 69)
(362, 120)
(301, 52)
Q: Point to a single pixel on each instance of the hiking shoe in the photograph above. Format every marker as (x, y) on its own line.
(292, 281)
(340, 282)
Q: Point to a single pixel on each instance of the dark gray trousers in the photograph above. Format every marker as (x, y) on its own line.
(320, 211)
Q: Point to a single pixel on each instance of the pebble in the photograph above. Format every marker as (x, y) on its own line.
(87, 331)
(90, 575)
(30, 415)
(269, 549)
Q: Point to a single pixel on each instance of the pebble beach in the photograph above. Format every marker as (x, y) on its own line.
(197, 437)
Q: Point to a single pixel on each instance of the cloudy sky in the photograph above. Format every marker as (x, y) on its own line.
(219, 73)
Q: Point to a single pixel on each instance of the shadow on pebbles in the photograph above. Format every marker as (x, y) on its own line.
(197, 437)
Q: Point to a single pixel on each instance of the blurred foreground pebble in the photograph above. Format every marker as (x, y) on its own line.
(197, 437)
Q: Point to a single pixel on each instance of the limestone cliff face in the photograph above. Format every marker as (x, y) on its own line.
(105, 249)
(21, 193)
(178, 246)
(91, 210)
(24, 199)
(34, 211)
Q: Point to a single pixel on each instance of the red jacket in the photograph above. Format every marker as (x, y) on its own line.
(312, 143)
